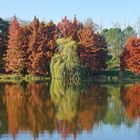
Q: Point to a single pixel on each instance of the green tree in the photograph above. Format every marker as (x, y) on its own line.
(65, 64)
(128, 32)
(115, 111)
(4, 26)
(114, 39)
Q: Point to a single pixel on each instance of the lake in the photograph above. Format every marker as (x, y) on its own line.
(55, 110)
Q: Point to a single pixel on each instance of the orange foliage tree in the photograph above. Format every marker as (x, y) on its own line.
(41, 46)
(130, 58)
(23, 37)
(52, 36)
(37, 48)
(14, 52)
(92, 49)
(17, 56)
(69, 28)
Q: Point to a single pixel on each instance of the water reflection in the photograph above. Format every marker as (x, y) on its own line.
(68, 110)
(130, 96)
(29, 107)
(78, 109)
(115, 110)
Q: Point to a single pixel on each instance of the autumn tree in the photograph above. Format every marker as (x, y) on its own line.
(14, 50)
(16, 57)
(92, 49)
(41, 46)
(69, 28)
(130, 57)
(23, 44)
(52, 36)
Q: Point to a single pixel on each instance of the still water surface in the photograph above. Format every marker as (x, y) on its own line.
(43, 110)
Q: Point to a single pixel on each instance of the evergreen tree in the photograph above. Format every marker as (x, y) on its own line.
(4, 25)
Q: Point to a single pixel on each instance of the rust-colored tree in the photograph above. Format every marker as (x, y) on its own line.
(16, 57)
(92, 49)
(52, 35)
(41, 46)
(130, 58)
(14, 50)
(23, 45)
(69, 28)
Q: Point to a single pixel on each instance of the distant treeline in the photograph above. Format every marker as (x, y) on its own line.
(39, 48)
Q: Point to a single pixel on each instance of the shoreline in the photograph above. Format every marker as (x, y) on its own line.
(106, 76)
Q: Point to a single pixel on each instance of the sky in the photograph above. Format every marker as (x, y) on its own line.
(106, 12)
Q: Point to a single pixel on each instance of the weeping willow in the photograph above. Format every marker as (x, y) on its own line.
(65, 64)
(65, 99)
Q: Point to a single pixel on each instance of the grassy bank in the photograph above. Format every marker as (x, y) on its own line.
(18, 78)
(106, 76)
(115, 76)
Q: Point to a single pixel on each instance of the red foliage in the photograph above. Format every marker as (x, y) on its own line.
(130, 57)
(69, 28)
(23, 44)
(92, 49)
(14, 53)
(52, 35)
(41, 46)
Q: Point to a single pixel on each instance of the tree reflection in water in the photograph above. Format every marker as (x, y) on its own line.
(130, 96)
(67, 109)
(78, 109)
(29, 107)
(115, 111)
